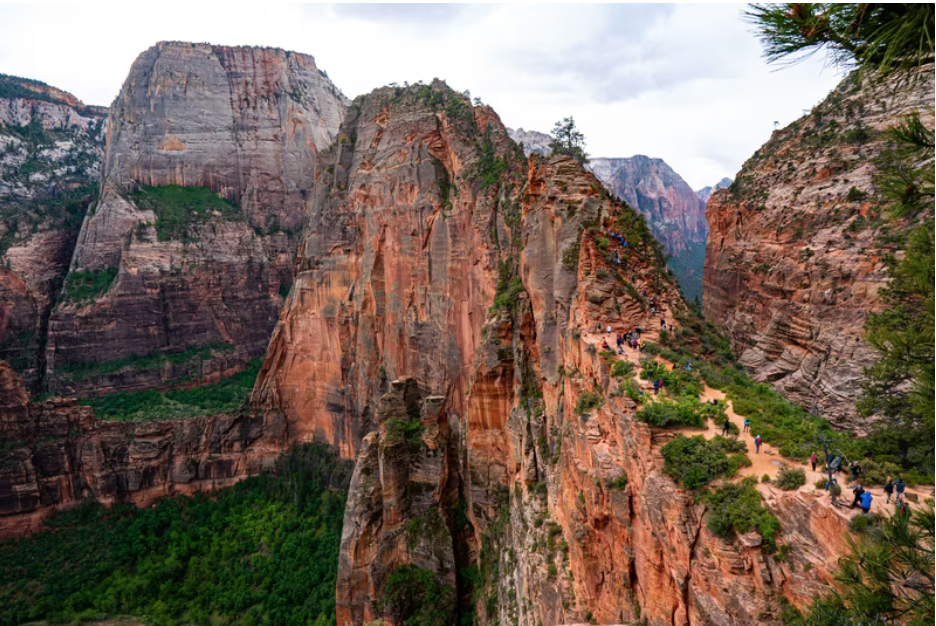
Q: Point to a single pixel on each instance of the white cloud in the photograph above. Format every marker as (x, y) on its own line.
(681, 82)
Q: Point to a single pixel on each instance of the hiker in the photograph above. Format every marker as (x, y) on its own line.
(642, 344)
(903, 509)
(620, 343)
(714, 402)
(858, 490)
(656, 387)
(604, 345)
(609, 329)
(855, 471)
(747, 425)
(688, 365)
(889, 489)
(663, 323)
(899, 487)
(757, 442)
(726, 428)
(866, 498)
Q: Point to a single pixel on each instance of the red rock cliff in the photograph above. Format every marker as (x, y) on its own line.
(795, 256)
(247, 123)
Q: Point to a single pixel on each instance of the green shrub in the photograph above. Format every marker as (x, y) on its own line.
(81, 286)
(588, 401)
(413, 596)
(765, 478)
(622, 368)
(619, 483)
(507, 295)
(651, 348)
(736, 462)
(695, 461)
(686, 411)
(862, 523)
(790, 478)
(736, 508)
(179, 209)
(633, 391)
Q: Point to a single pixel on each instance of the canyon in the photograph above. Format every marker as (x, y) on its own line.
(430, 300)
(797, 245)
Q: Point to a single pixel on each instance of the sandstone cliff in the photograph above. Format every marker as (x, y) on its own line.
(795, 256)
(51, 147)
(55, 454)
(436, 333)
(181, 267)
(673, 210)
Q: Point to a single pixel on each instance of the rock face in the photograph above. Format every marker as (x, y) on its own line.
(434, 333)
(56, 454)
(674, 212)
(795, 257)
(51, 147)
(706, 192)
(533, 142)
(151, 279)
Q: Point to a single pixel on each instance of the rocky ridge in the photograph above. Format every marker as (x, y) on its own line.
(436, 332)
(51, 148)
(796, 252)
(706, 192)
(162, 289)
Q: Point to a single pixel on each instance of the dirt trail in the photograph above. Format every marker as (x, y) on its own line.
(768, 461)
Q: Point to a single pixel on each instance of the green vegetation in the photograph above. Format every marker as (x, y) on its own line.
(736, 508)
(790, 478)
(78, 370)
(687, 266)
(619, 483)
(179, 209)
(262, 551)
(62, 209)
(568, 140)
(225, 396)
(414, 597)
(587, 402)
(82, 286)
(695, 461)
(622, 368)
(687, 410)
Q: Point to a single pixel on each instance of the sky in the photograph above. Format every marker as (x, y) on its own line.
(681, 82)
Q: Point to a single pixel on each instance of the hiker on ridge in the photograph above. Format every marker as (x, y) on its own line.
(726, 428)
(889, 488)
(757, 443)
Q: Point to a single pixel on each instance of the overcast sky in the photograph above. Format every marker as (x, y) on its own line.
(685, 83)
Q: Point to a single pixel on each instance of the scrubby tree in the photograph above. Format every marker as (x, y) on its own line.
(568, 140)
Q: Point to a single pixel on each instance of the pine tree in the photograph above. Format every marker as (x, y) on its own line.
(568, 140)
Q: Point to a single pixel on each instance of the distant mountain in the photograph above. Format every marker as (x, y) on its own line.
(532, 141)
(706, 192)
(670, 206)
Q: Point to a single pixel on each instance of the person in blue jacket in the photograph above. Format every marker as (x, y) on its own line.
(866, 502)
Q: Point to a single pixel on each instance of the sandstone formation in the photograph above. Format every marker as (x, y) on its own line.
(51, 147)
(434, 333)
(675, 213)
(795, 256)
(55, 454)
(156, 293)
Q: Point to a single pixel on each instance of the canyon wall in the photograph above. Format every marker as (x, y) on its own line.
(181, 267)
(55, 454)
(436, 333)
(796, 253)
(51, 148)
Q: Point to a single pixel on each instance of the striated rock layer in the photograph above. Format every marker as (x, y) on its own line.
(246, 123)
(55, 454)
(434, 333)
(51, 148)
(795, 256)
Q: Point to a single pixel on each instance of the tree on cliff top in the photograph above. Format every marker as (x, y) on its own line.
(881, 37)
(568, 140)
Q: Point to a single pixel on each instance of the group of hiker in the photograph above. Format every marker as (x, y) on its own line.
(631, 339)
(862, 497)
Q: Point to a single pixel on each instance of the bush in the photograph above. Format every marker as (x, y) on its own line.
(736, 462)
(765, 478)
(412, 596)
(622, 368)
(736, 508)
(695, 461)
(633, 391)
(588, 401)
(686, 411)
(790, 478)
(619, 483)
(862, 523)
(652, 348)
